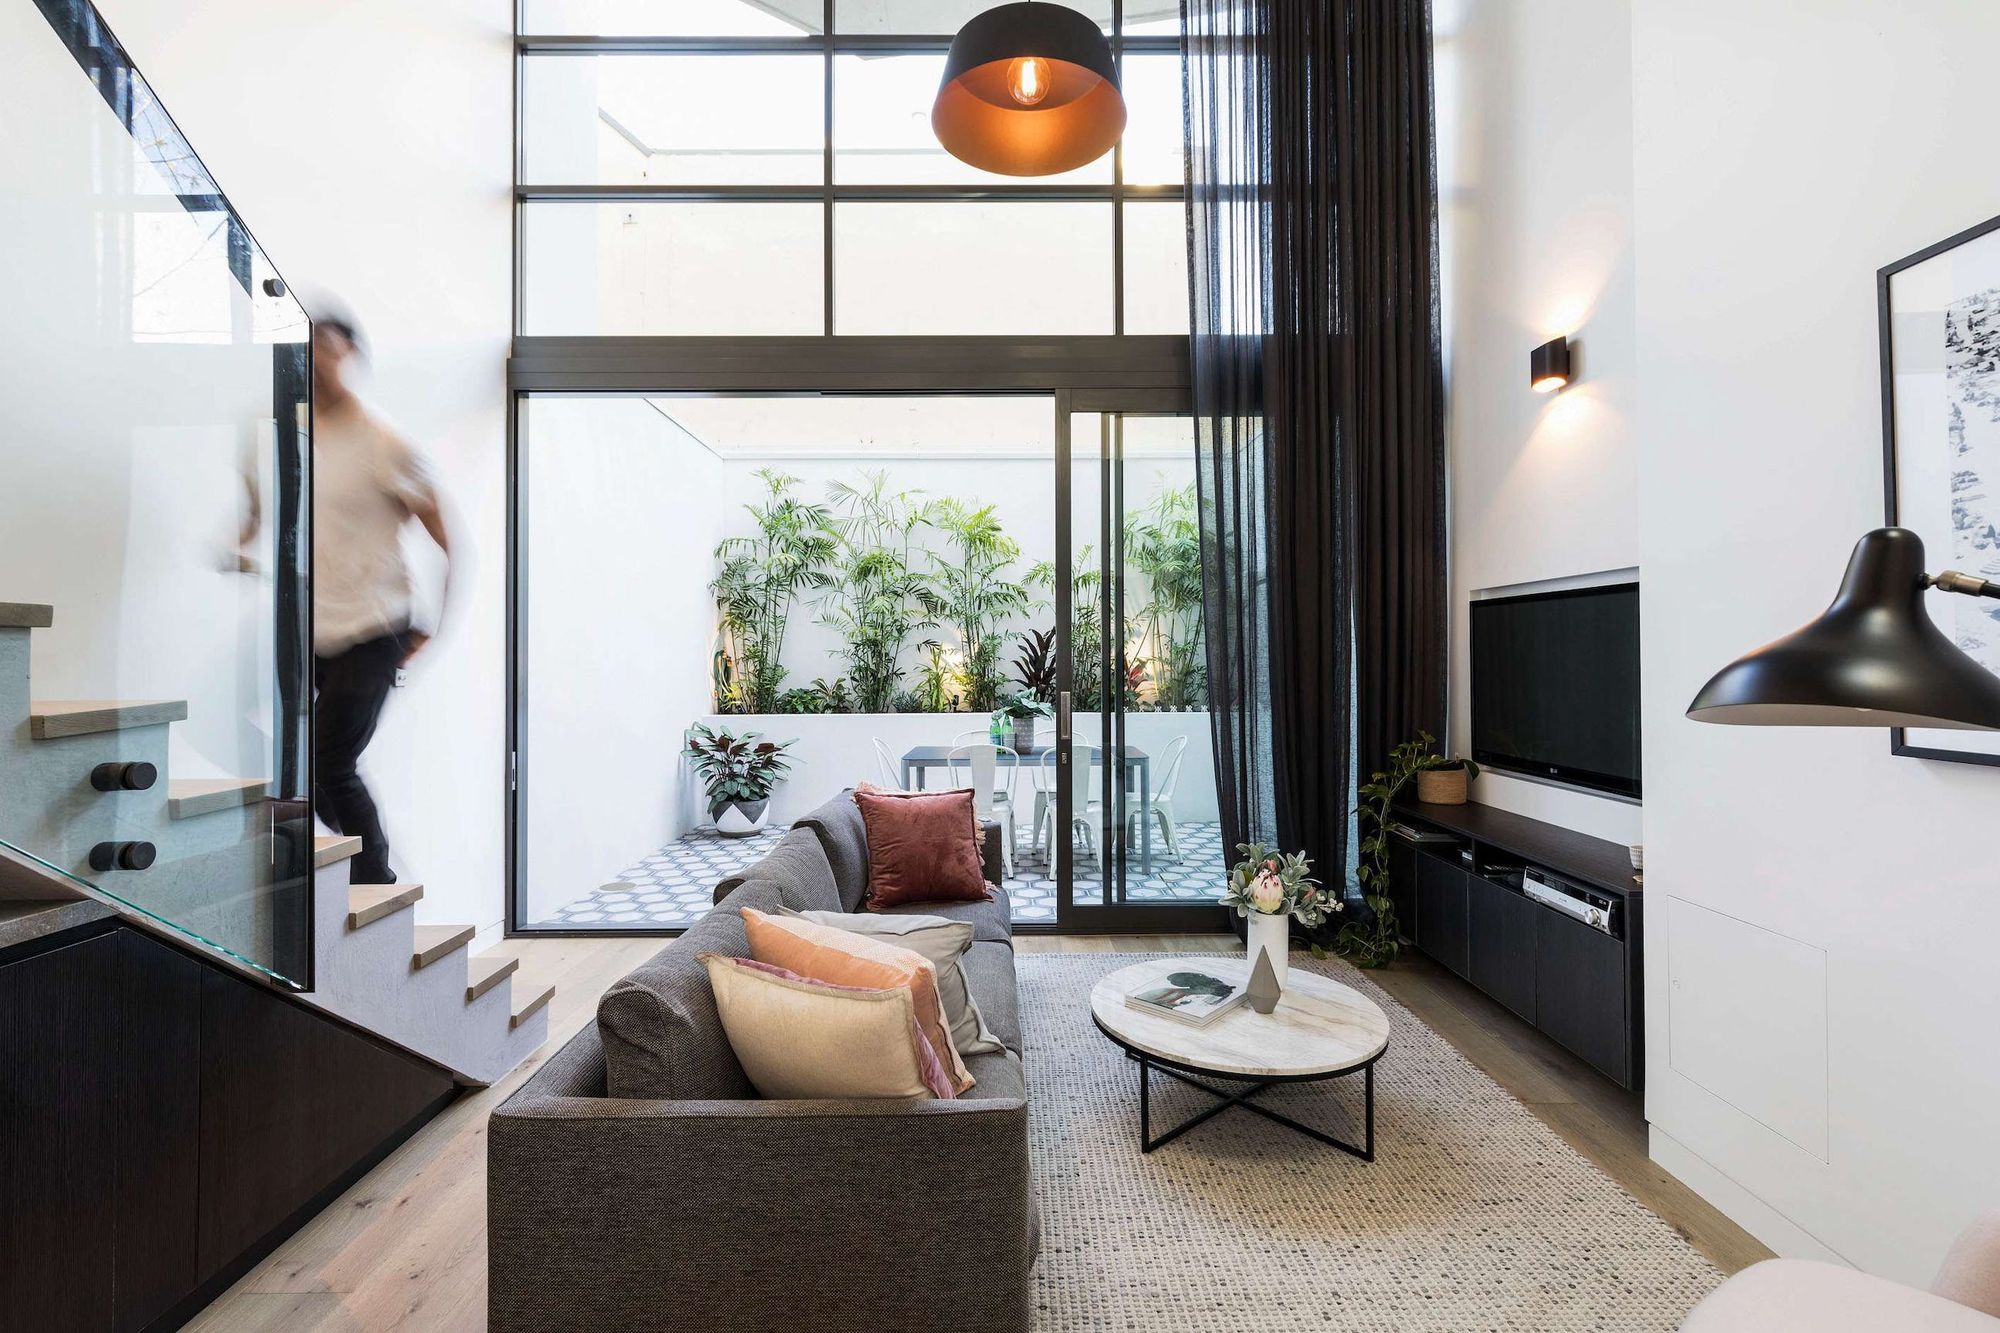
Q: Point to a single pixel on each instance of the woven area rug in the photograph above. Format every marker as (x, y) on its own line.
(1474, 1215)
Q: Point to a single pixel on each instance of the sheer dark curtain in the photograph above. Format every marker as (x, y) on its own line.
(1318, 398)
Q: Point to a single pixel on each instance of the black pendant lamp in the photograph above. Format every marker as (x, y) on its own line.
(1873, 659)
(1029, 90)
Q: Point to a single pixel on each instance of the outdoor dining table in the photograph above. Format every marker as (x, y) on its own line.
(1138, 772)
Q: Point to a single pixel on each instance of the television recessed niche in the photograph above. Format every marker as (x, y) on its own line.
(1555, 686)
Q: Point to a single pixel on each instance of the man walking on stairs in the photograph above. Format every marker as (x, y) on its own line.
(367, 484)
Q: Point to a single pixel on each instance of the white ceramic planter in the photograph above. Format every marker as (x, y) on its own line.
(1273, 935)
(740, 819)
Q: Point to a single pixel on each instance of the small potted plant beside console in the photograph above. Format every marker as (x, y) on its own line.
(739, 774)
(1442, 781)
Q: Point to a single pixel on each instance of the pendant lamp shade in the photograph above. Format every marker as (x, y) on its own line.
(1029, 90)
(1874, 658)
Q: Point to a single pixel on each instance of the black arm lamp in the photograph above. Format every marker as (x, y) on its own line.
(1872, 659)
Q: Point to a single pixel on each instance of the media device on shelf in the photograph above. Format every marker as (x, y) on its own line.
(1555, 686)
(1597, 910)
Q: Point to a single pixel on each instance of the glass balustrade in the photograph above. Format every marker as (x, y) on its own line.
(154, 384)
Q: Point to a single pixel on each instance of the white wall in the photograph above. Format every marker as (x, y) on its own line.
(1535, 164)
(621, 626)
(1822, 915)
(368, 146)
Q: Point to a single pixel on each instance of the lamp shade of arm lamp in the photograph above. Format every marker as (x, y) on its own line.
(1874, 658)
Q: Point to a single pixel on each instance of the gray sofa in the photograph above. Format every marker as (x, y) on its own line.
(637, 1182)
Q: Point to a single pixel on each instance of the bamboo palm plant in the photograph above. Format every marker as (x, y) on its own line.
(1086, 626)
(877, 598)
(1163, 545)
(760, 577)
(974, 596)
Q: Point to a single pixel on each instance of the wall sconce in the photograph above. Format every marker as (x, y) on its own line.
(1548, 366)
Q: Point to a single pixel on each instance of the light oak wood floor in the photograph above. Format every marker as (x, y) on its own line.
(405, 1248)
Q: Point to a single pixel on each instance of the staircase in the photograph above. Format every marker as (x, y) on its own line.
(78, 777)
(418, 983)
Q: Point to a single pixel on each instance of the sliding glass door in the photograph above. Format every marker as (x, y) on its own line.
(1135, 842)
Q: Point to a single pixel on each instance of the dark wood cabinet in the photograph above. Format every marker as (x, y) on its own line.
(1441, 919)
(1580, 992)
(1502, 945)
(159, 1123)
(1579, 985)
(1403, 885)
(165, 1121)
(58, 1136)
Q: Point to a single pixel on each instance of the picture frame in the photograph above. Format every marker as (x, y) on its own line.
(1939, 326)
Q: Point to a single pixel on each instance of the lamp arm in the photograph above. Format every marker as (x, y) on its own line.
(1953, 581)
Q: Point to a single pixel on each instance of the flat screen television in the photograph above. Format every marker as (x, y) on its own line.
(1555, 686)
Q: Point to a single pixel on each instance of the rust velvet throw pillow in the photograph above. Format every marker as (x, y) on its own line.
(922, 847)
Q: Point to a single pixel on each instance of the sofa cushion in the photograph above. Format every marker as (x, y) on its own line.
(989, 975)
(844, 839)
(843, 958)
(798, 866)
(663, 1039)
(991, 919)
(800, 1037)
(922, 847)
(944, 943)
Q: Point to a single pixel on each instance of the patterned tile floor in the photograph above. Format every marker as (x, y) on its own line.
(673, 886)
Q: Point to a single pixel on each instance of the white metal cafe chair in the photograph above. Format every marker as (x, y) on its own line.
(977, 766)
(890, 773)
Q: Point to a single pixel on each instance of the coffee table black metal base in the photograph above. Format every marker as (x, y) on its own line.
(1193, 1077)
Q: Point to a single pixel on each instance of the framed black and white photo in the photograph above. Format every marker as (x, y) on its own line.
(1940, 331)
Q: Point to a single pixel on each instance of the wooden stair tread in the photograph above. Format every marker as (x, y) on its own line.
(485, 971)
(26, 615)
(51, 719)
(188, 797)
(368, 903)
(435, 942)
(528, 997)
(335, 848)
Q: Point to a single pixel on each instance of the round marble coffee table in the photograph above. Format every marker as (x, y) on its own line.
(1320, 1030)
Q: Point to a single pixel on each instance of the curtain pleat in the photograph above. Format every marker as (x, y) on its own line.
(1318, 400)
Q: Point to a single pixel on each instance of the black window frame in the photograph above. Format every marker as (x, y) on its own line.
(827, 44)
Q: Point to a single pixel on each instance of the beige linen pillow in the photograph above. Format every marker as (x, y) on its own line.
(800, 1038)
(938, 939)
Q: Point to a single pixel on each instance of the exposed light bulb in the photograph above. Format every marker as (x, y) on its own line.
(1028, 80)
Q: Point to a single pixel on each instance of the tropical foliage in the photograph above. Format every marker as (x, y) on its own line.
(1163, 548)
(878, 597)
(736, 768)
(760, 576)
(926, 595)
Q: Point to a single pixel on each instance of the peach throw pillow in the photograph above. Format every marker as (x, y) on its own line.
(843, 958)
(801, 1038)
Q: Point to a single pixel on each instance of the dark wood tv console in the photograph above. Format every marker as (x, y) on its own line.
(1577, 984)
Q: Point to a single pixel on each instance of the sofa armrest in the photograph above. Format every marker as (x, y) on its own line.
(823, 1215)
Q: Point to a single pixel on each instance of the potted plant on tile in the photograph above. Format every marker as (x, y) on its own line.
(1270, 890)
(739, 774)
